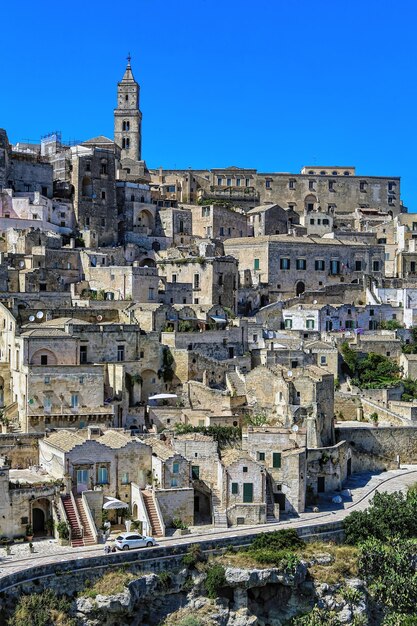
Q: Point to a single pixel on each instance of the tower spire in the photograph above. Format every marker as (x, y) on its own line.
(129, 58)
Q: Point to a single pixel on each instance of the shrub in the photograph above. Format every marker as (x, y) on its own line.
(389, 514)
(194, 555)
(41, 609)
(165, 579)
(63, 530)
(178, 523)
(285, 539)
(216, 579)
(317, 617)
(190, 621)
(278, 558)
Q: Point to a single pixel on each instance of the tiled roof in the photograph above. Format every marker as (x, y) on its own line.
(231, 455)
(307, 240)
(114, 439)
(161, 450)
(44, 332)
(64, 440)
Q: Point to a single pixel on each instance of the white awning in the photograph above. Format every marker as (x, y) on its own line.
(218, 319)
(163, 396)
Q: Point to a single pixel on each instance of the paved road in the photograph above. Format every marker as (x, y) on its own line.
(362, 486)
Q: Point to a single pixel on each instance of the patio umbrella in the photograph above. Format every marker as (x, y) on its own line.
(114, 503)
(163, 396)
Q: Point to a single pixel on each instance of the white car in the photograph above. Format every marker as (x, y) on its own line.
(127, 541)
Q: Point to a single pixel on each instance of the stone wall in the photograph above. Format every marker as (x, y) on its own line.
(176, 503)
(376, 448)
(21, 449)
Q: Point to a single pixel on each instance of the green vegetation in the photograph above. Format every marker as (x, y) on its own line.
(165, 579)
(178, 523)
(110, 583)
(411, 348)
(41, 609)
(63, 530)
(167, 371)
(216, 579)
(259, 418)
(317, 617)
(389, 515)
(390, 325)
(224, 435)
(193, 556)
(410, 390)
(373, 371)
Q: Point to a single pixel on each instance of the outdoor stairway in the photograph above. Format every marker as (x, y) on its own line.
(76, 534)
(219, 514)
(270, 512)
(88, 535)
(237, 385)
(152, 514)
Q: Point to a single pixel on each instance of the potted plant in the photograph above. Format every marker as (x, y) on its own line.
(63, 533)
(29, 532)
(49, 525)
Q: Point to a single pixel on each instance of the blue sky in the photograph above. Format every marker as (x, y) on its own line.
(270, 84)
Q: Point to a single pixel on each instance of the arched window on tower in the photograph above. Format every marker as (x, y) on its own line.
(124, 125)
(127, 125)
(126, 97)
(123, 143)
(127, 142)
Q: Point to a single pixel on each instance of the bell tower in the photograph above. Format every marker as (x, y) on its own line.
(128, 117)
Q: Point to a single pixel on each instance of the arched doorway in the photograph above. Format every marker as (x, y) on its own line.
(135, 512)
(310, 202)
(300, 288)
(38, 521)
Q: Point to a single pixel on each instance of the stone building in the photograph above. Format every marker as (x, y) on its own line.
(92, 457)
(243, 483)
(128, 117)
(271, 219)
(289, 266)
(218, 222)
(213, 280)
(93, 177)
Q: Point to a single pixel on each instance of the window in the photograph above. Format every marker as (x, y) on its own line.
(237, 182)
(220, 280)
(221, 231)
(103, 168)
(261, 456)
(301, 264)
(245, 469)
(334, 267)
(391, 186)
(358, 266)
(83, 354)
(219, 182)
(256, 264)
(175, 468)
(47, 403)
(288, 323)
(196, 281)
(248, 492)
(205, 211)
(312, 220)
(103, 195)
(284, 263)
(44, 359)
(229, 182)
(171, 189)
(413, 267)
(349, 325)
(291, 183)
(47, 380)
(362, 186)
(375, 266)
(310, 324)
(120, 353)
(235, 489)
(125, 478)
(74, 400)
(325, 222)
(331, 185)
(174, 482)
(319, 265)
(323, 360)
(276, 460)
(102, 476)
(174, 278)
(255, 338)
(151, 293)
(195, 471)
(311, 184)
(247, 182)
(267, 184)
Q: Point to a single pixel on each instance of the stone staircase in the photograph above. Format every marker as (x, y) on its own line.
(270, 512)
(219, 514)
(76, 532)
(236, 384)
(88, 538)
(152, 513)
